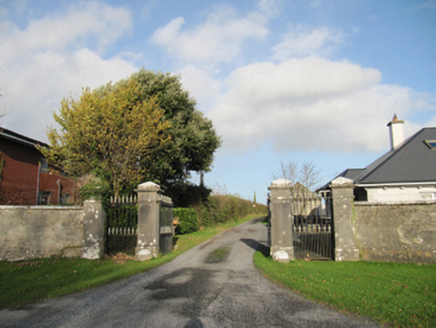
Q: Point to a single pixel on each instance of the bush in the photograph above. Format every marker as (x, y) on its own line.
(222, 208)
(188, 220)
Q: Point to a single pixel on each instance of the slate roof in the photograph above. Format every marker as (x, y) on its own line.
(413, 162)
(11, 135)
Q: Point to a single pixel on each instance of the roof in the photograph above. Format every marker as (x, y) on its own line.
(412, 162)
(11, 135)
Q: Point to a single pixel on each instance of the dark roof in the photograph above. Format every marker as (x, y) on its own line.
(11, 135)
(413, 162)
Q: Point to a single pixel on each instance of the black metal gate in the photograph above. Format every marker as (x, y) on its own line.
(166, 225)
(121, 225)
(312, 227)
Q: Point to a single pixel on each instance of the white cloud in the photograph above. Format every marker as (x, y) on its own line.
(308, 41)
(202, 86)
(219, 39)
(75, 28)
(299, 79)
(54, 57)
(309, 104)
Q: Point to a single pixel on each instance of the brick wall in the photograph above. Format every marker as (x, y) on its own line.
(22, 179)
(19, 175)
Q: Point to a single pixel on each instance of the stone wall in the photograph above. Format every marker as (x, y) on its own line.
(29, 232)
(40, 231)
(396, 232)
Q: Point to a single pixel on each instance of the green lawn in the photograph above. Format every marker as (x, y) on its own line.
(402, 295)
(26, 282)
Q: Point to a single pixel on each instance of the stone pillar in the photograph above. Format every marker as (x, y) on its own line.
(344, 226)
(282, 248)
(94, 219)
(149, 199)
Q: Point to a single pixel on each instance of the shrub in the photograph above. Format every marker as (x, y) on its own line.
(188, 220)
(222, 208)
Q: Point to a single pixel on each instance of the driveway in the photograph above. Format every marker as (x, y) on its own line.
(212, 285)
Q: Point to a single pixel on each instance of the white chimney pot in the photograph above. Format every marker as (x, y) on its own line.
(396, 132)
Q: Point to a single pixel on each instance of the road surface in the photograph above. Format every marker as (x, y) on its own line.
(212, 285)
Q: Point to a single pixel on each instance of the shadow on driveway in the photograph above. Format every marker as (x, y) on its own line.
(257, 246)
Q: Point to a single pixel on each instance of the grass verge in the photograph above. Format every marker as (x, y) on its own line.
(402, 295)
(24, 282)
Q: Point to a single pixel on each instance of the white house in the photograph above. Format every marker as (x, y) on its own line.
(407, 173)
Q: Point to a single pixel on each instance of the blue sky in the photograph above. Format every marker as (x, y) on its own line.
(281, 80)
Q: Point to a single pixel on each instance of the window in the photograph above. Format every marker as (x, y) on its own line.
(44, 198)
(431, 144)
(43, 164)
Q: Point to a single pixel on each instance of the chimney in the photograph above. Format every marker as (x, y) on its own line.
(396, 132)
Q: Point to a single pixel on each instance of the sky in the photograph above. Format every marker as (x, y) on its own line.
(282, 80)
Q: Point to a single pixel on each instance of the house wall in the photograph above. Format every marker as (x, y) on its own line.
(401, 193)
(40, 231)
(48, 182)
(20, 172)
(400, 232)
(21, 178)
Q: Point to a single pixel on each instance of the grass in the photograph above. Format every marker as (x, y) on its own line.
(402, 295)
(218, 255)
(25, 282)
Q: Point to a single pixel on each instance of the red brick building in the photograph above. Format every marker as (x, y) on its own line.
(25, 178)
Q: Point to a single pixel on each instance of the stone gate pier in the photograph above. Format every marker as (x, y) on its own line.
(281, 241)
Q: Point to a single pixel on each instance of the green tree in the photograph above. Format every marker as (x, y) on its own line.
(111, 135)
(194, 138)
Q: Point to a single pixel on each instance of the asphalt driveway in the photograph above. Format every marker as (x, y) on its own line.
(212, 285)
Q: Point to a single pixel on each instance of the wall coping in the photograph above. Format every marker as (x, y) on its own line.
(423, 202)
(34, 207)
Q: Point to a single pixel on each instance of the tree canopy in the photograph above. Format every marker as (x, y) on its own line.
(194, 138)
(144, 128)
(109, 136)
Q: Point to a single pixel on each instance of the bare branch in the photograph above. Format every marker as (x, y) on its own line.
(307, 175)
(287, 171)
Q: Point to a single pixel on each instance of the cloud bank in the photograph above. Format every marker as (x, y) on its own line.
(54, 57)
(298, 99)
(258, 86)
(309, 104)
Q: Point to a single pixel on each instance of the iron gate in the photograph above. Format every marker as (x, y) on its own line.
(166, 225)
(312, 227)
(122, 222)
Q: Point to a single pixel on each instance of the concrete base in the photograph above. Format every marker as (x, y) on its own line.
(351, 254)
(147, 253)
(144, 255)
(282, 254)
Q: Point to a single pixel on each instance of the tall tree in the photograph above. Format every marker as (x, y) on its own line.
(194, 138)
(110, 136)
